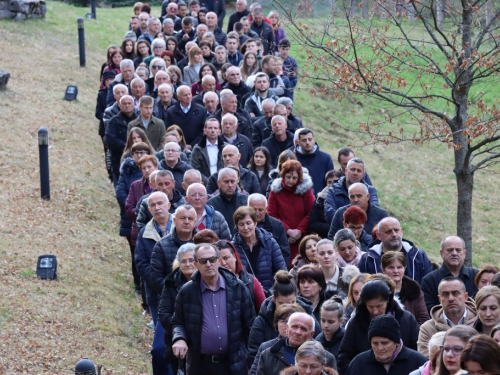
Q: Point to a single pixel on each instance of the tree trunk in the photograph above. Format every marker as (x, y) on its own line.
(465, 185)
(439, 14)
(364, 10)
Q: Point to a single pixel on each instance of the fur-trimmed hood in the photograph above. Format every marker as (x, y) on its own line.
(410, 290)
(292, 370)
(300, 189)
(129, 166)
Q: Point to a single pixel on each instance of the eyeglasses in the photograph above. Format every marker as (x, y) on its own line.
(197, 195)
(355, 229)
(140, 153)
(456, 350)
(205, 260)
(187, 261)
(171, 151)
(157, 66)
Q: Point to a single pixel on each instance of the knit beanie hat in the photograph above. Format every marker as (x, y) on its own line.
(384, 326)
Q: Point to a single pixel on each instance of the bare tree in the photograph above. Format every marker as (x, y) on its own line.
(448, 53)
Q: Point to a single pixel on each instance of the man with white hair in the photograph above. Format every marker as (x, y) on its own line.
(174, 164)
(280, 140)
(231, 158)
(241, 11)
(229, 104)
(189, 116)
(210, 102)
(138, 88)
(209, 84)
(259, 203)
(206, 216)
(231, 136)
(300, 328)
(261, 128)
(125, 77)
(229, 199)
(236, 84)
(119, 90)
(164, 101)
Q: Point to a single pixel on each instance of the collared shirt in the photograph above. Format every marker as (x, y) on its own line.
(461, 321)
(202, 218)
(214, 337)
(213, 155)
(163, 233)
(185, 110)
(232, 139)
(331, 285)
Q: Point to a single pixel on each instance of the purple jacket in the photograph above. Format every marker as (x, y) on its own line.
(278, 36)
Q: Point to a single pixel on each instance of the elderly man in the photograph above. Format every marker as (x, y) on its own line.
(317, 162)
(300, 328)
(360, 197)
(171, 12)
(152, 126)
(214, 25)
(191, 176)
(280, 139)
(455, 308)
(189, 116)
(164, 101)
(158, 227)
(165, 250)
(116, 133)
(168, 27)
(154, 27)
(264, 30)
(241, 11)
(231, 136)
(259, 203)
(229, 104)
(385, 340)
(231, 158)
(254, 104)
(165, 183)
(453, 254)
(153, 83)
(138, 88)
(390, 238)
(261, 128)
(294, 121)
(236, 84)
(338, 196)
(119, 90)
(125, 78)
(208, 84)
(210, 102)
(206, 216)
(174, 164)
(344, 155)
(212, 319)
(229, 199)
(207, 154)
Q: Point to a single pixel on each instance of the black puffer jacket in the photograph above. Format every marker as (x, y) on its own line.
(277, 229)
(188, 320)
(178, 171)
(227, 207)
(263, 328)
(334, 344)
(162, 259)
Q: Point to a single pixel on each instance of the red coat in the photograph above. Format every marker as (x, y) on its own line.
(292, 207)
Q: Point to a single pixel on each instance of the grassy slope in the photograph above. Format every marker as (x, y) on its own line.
(91, 310)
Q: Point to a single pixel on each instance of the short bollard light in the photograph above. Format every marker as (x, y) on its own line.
(43, 150)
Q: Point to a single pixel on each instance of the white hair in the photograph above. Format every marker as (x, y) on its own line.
(303, 315)
(256, 197)
(225, 171)
(126, 62)
(230, 116)
(208, 94)
(192, 171)
(117, 86)
(156, 193)
(172, 144)
(171, 88)
(356, 184)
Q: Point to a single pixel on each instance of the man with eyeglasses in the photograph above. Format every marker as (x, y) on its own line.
(206, 216)
(165, 250)
(453, 255)
(212, 319)
(455, 308)
(280, 355)
(359, 196)
(174, 164)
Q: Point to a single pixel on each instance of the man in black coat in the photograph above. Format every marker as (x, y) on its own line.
(116, 133)
(189, 116)
(280, 140)
(214, 24)
(231, 136)
(261, 128)
(263, 30)
(174, 164)
(164, 101)
(259, 203)
(453, 254)
(241, 11)
(229, 104)
(100, 107)
(212, 318)
(235, 84)
(229, 199)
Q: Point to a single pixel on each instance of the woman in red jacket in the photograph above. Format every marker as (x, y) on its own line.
(290, 201)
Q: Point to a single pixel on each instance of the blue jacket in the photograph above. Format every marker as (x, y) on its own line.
(270, 259)
(216, 222)
(338, 196)
(318, 163)
(417, 263)
(129, 172)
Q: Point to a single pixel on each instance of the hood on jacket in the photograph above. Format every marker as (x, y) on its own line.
(410, 290)
(315, 150)
(268, 307)
(376, 246)
(349, 273)
(300, 189)
(436, 314)
(129, 166)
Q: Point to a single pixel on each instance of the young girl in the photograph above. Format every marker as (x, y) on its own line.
(260, 165)
(249, 65)
(332, 316)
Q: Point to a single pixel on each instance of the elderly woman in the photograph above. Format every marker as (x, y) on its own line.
(192, 71)
(230, 260)
(346, 246)
(377, 298)
(183, 269)
(455, 340)
(306, 255)
(393, 264)
(481, 356)
(258, 250)
(310, 359)
(488, 309)
(387, 355)
(290, 201)
(157, 47)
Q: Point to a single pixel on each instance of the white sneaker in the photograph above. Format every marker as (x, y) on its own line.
(151, 325)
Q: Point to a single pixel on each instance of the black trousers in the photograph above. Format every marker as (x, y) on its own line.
(209, 368)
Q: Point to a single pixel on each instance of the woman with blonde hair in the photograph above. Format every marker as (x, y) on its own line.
(192, 71)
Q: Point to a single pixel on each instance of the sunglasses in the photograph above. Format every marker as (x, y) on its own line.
(205, 260)
(157, 66)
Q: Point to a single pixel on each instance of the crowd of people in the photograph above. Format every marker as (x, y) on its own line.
(250, 252)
